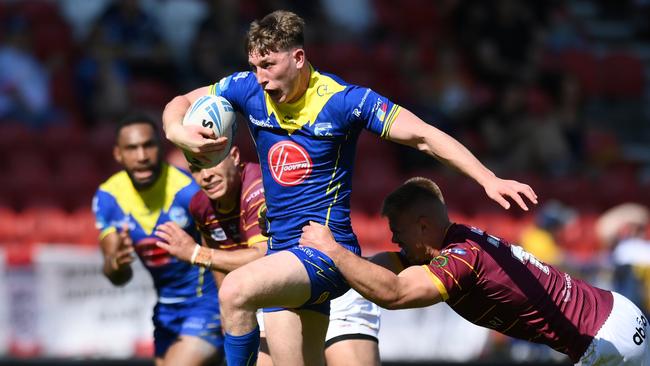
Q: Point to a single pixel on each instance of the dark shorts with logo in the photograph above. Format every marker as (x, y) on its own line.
(197, 317)
(327, 282)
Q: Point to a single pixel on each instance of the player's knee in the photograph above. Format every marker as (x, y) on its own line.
(234, 292)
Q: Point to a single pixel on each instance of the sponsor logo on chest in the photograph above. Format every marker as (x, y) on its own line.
(289, 163)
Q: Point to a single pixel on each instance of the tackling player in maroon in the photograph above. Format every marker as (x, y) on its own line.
(230, 223)
(490, 282)
(497, 285)
(226, 212)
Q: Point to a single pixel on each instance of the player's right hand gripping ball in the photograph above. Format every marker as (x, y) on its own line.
(216, 113)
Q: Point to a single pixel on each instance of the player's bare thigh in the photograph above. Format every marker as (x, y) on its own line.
(191, 351)
(294, 336)
(353, 352)
(279, 279)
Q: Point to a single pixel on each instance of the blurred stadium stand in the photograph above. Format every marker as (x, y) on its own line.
(51, 166)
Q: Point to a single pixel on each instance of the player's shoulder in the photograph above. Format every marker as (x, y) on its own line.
(328, 77)
(179, 179)
(464, 236)
(252, 187)
(199, 204)
(115, 183)
(327, 83)
(233, 82)
(251, 171)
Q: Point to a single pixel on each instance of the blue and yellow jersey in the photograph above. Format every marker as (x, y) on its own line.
(306, 149)
(117, 202)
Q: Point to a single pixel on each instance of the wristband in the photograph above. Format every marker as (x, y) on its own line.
(204, 258)
(197, 248)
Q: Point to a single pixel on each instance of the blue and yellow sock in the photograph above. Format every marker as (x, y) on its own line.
(242, 350)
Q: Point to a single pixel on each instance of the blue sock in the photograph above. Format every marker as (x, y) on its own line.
(242, 350)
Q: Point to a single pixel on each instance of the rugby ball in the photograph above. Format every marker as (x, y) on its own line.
(216, 113)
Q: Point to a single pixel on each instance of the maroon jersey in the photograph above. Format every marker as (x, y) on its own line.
(497, 285)
(238, 228)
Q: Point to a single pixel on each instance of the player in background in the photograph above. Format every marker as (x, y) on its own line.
(305, 125)
(490, 282)
(128, 208)
(230, 214)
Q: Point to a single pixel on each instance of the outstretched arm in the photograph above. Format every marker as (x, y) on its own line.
(182, 246)
(408, 129)
(229, 260)
(411, 288)
(117, 248)
(191, 138)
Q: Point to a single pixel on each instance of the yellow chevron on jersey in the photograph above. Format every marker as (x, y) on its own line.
(146, 206)
(292, 116)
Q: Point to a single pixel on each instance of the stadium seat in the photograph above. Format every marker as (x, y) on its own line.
(51, 224)
(623, 75)
(422, 17)
(63, 139)
(466, 196)
(20, 254)
(586, 68)
(375, 176)
(19, 226)
(31, 177)
(38, 11)
(80, 228)
(579, 236)
(8, 232)
(149, 93)
(369, 145)
(77, 179)
(52, 38)
(575, 191)
(15, 135)
(501, 224)
(102, 140)
(621, 187)
(62, 89)
(372, 232)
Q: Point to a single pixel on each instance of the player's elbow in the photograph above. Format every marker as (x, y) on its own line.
(388, 300)
(393, 298)
(394, 303)
(177, 105)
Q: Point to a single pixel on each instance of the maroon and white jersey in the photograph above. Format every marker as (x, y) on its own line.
(500, 286)
(238, 228)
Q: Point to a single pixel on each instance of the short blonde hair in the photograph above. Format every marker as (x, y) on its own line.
(414, 190)
(278, 31)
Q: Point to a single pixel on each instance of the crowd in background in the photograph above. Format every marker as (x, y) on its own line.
(554, 93)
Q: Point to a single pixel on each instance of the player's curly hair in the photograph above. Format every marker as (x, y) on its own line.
(134, 118)
(414, 190)
(278, 31)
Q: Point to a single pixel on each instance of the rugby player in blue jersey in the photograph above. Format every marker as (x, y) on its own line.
(305, 124)
(128, 208)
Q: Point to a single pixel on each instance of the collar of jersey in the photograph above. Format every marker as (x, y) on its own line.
(145, 206)
(304, 111)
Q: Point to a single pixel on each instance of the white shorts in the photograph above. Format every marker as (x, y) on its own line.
(622, 340)
(351, 317)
